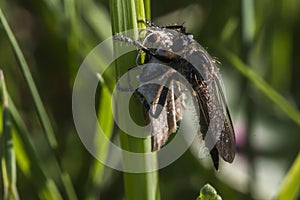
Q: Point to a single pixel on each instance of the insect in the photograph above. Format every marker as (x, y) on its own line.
(164, 104)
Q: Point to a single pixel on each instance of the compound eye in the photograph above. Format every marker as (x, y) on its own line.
(152, 38)
(178, 45)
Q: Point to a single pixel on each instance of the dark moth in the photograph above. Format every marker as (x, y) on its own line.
(164, 104)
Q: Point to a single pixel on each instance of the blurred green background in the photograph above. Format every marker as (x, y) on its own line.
(55, 36)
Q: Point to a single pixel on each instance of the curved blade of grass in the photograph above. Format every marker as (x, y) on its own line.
(291, 183)
(43, 117)
(105, 119)
(8, 159)
(284, 105)
(96, 19)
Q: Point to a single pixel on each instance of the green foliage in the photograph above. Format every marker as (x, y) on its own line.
(125, 16)
(42, 44)
(8, 159)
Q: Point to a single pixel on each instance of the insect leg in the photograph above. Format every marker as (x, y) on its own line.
(135, 43)
(162, 93)
(159, 100)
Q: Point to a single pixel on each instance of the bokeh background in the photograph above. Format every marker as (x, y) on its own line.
(55, 36)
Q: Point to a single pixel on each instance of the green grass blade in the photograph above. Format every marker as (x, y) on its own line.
(97, 18)
(147, 9)
(27, 159)
(125, 16)
(284, 105)
(73, 45)
(30, 166)
(105, 119)
(73, 33)
(8, 159)
(248, 31)
(44, 119)
(140, 13)
(291, 183)
(25, 69)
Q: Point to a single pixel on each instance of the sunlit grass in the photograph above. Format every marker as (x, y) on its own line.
(126, 15)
